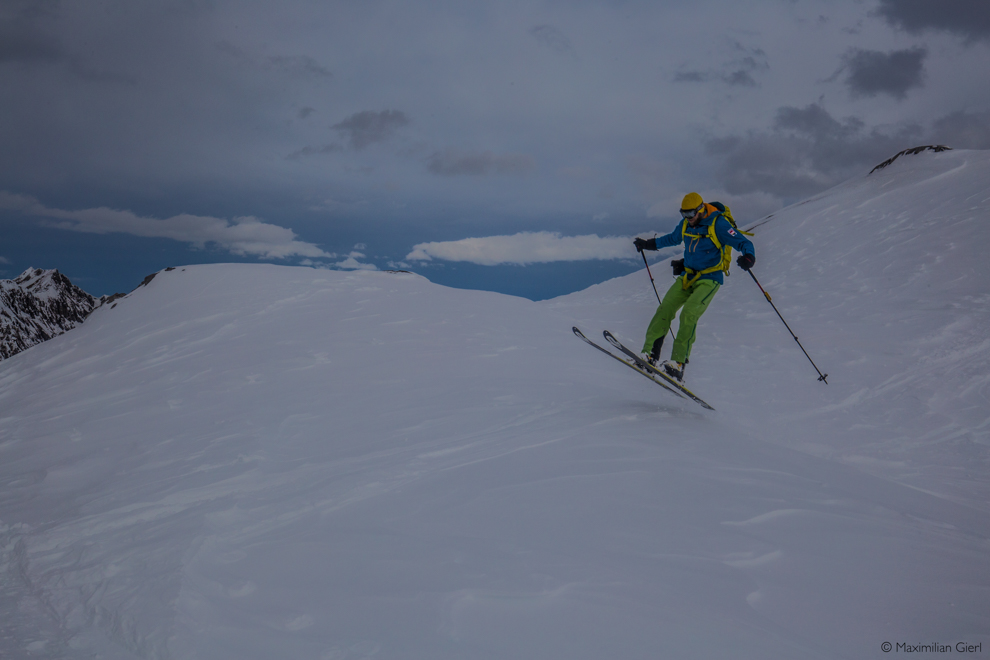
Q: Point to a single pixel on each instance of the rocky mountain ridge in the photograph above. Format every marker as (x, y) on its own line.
(38, 305)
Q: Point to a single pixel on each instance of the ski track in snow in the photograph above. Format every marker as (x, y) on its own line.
(243, 461)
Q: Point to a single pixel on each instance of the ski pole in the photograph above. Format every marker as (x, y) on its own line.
(653, 283)
(651, 276)
(821, 376)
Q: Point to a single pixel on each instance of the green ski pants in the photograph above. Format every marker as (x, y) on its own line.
(694, 300)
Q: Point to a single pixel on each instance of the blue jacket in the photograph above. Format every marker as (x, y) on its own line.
(699, 250)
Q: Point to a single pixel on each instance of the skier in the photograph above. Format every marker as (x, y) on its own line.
(706, 234)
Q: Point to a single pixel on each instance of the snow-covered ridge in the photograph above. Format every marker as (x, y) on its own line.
(884, 280)
(249, 462)
(38, 305)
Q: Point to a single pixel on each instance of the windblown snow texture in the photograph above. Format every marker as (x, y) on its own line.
(251, 461)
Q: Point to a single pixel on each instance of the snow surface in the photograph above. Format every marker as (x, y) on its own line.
(251, 461)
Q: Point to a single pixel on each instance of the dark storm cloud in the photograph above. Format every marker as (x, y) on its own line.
(963, 130)
(359, 131)
(551, 37)
(815, 122)
(966, 18)
(367, 127)
(27, 36)
(738, 71)
(871, 72)
(738, 77)
(806, 151)
(25, 45)
(322, 150)
(451, 162)
(300, 65)
(28, 30)
(23, 34)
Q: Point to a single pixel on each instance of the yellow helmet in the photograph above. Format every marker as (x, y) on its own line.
(691, 201)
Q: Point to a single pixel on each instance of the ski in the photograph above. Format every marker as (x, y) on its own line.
(653, 371)
(631, 365)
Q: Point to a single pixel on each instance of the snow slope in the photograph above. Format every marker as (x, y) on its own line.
(884, 280)
(242, 461)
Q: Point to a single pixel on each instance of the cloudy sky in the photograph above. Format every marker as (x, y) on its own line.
(514, 146)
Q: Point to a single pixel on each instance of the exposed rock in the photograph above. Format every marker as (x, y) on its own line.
(38, 305)
(914, 150)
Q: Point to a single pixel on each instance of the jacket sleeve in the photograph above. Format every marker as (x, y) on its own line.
(729, 236)
(673, 238)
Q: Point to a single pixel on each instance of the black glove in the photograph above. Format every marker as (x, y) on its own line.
(746, 261)
(678, 266)
(644, 244)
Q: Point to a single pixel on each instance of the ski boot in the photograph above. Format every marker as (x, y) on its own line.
(675, 370)
(653, 357)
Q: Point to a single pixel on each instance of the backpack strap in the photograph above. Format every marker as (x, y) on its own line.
(714, 212)
(695, 274)
(727, 214)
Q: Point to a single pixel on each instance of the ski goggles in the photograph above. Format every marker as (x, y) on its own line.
(687, 214)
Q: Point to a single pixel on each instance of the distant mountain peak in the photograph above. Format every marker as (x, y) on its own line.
(38, 305)
(914, 150)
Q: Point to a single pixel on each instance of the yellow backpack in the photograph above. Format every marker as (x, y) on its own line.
(723, 266)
